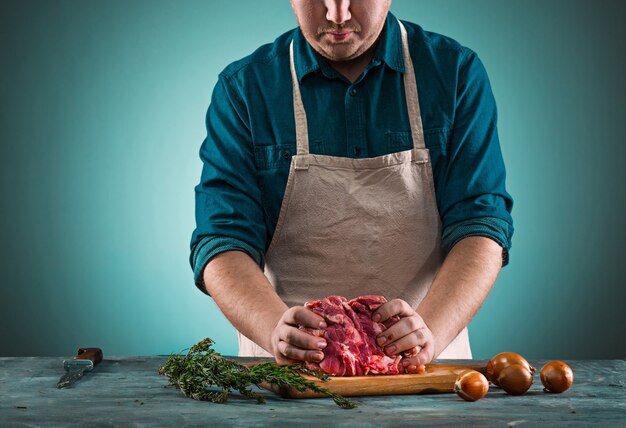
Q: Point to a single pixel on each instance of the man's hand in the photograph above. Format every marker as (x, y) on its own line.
(410, 332)
(290, 344)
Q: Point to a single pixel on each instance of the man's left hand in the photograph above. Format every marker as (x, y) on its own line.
(405, 335)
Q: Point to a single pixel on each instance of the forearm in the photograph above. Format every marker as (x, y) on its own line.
(459, 289)
(244, 295)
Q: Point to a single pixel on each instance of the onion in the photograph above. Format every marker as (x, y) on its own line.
(556, 376)
(502, 360)
(515, 379)
(471, 385)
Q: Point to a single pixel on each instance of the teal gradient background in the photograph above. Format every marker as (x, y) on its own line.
(102, 116)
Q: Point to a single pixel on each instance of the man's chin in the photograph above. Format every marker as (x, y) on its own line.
(340, 51)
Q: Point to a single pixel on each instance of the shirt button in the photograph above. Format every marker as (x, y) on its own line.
(356, 151)
(286, 155)
(353, 92)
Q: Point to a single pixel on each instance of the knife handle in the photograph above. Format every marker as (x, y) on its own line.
(93, 354)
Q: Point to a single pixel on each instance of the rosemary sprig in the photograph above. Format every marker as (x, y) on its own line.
(202, 368)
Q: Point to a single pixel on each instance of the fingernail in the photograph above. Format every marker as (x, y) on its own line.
(391, 349)
(321, 344)
(381, 340)
(376, 317)
(323, 324)
(319, 356)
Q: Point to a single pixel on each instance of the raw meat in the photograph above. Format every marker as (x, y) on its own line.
(351, 337)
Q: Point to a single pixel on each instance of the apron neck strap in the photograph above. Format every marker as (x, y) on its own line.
(302, 130)
(410, 92)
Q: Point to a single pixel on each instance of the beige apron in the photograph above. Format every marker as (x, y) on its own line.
(354, 227)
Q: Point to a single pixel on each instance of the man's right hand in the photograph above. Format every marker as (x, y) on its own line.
(292, 345)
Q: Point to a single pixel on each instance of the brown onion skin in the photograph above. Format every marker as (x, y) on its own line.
(471, 385)
(556, 376)
(515, 379)
(502, 360)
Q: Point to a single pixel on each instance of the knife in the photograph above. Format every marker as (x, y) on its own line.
(85, 359)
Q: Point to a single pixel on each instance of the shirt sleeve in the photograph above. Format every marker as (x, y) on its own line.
(475, 201)
(229, 212)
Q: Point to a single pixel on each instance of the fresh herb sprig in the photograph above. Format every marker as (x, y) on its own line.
(202, 368)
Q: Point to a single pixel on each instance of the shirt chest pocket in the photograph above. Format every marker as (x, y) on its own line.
(274, 156)
(398, 140)
(279, 155)
(435, 140)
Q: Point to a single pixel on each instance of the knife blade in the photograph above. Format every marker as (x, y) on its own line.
(86, 359)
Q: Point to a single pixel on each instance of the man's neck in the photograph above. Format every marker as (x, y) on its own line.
(353, 68)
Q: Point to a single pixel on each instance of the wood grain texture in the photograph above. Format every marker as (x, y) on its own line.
(438, 379)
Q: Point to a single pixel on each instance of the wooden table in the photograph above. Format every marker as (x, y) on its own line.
(127, 391)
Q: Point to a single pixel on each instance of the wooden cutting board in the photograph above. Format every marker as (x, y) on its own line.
(439, 378)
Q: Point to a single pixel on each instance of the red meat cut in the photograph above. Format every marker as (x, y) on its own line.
(351, 337)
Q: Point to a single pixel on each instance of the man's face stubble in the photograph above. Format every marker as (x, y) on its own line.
(341, 30)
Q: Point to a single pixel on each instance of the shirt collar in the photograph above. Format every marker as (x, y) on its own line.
(389, 50)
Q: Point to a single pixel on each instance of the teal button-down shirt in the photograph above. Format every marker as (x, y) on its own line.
(251, 137)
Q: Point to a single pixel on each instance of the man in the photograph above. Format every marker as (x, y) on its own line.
(355, 155)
